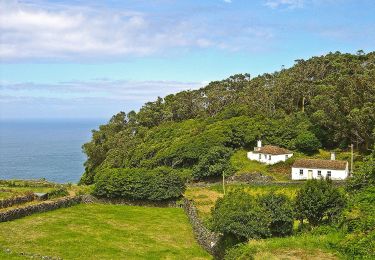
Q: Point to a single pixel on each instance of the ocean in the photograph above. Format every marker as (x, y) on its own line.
(44, 149)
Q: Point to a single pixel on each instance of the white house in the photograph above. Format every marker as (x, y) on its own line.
(269, 154)
(304, 169)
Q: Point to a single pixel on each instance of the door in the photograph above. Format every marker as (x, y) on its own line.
(309, 174)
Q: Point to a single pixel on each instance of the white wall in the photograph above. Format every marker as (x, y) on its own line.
(265, 158)
(335, 174)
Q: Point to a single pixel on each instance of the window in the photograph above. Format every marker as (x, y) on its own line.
(319, 173)
(329, 174)
(269, 158)
(286, 157)
(260, 156)
(301, 172)
(265, 156)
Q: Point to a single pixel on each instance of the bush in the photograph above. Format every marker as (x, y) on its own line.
(239, 214)
(358, 219)
(158, 184)
(214, 163)
(307, 142)
(281, 211)
(319, 200)
(61, 192)
(364, 176)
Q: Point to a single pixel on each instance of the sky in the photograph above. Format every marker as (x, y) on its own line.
(91, 59)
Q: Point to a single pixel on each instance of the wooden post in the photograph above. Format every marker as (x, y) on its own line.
(223, 183)
(303, 104)
(351, 159)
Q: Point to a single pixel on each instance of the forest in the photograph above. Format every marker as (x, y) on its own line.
(323, 102)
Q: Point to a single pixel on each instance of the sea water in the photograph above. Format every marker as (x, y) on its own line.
(50, 149)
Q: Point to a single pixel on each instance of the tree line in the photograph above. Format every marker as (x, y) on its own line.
(326, 101)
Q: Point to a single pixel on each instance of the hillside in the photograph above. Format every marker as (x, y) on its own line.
(323, 102)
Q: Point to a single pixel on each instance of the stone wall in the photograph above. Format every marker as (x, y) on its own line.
(36, 208)
(209, 240)
(5, 203)
(143, 203)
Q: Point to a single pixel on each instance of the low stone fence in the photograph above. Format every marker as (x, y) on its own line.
(160, 204)
(5, 203)
(40, 207)
(209, 240)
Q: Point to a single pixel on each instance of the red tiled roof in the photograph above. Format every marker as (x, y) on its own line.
(320, 164)
(271, 149)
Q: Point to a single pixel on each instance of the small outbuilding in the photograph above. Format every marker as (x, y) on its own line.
(305, 169)
(269, 154)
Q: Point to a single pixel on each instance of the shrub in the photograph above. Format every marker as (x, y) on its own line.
(281, 211)
(319, 200)
(307, 142)
(364, 176)
(56, 193)
(158, 184)
(239, 214)
(214, 163)
(358, 218)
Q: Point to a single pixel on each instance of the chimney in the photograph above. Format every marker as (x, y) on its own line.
(333, 156)
(259, 145)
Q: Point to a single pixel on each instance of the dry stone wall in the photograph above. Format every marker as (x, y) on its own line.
(40, 207)
(209, 240)
(5, 203)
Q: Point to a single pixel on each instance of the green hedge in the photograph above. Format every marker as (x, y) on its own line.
(162, 183)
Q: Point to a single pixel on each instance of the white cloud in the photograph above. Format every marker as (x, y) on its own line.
(141, 91)
(85, 99)
(290, 4)
(228, 1)
(56, 32)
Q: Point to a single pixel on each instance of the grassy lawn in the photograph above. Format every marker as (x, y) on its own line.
(242, 164)
(204, 199)
(6, 194)
(255, 190)
(99, 231)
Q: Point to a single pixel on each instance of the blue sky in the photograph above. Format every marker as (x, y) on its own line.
(91, 59)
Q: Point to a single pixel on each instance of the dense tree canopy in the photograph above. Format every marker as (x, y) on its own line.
(324, 101)
(318, 201)
(238, 214)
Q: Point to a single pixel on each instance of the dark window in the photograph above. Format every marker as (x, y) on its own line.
(260, 156)
(301, 172)
(329, 174)
(269, 158)
(319, 173)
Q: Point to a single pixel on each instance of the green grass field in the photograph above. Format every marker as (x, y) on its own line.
(98, 231)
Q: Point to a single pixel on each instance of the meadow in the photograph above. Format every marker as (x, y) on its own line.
(98, 231)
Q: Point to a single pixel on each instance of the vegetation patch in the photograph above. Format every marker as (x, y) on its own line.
(96, 231)
(204, 199)
(159, 184)
(302, 246)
